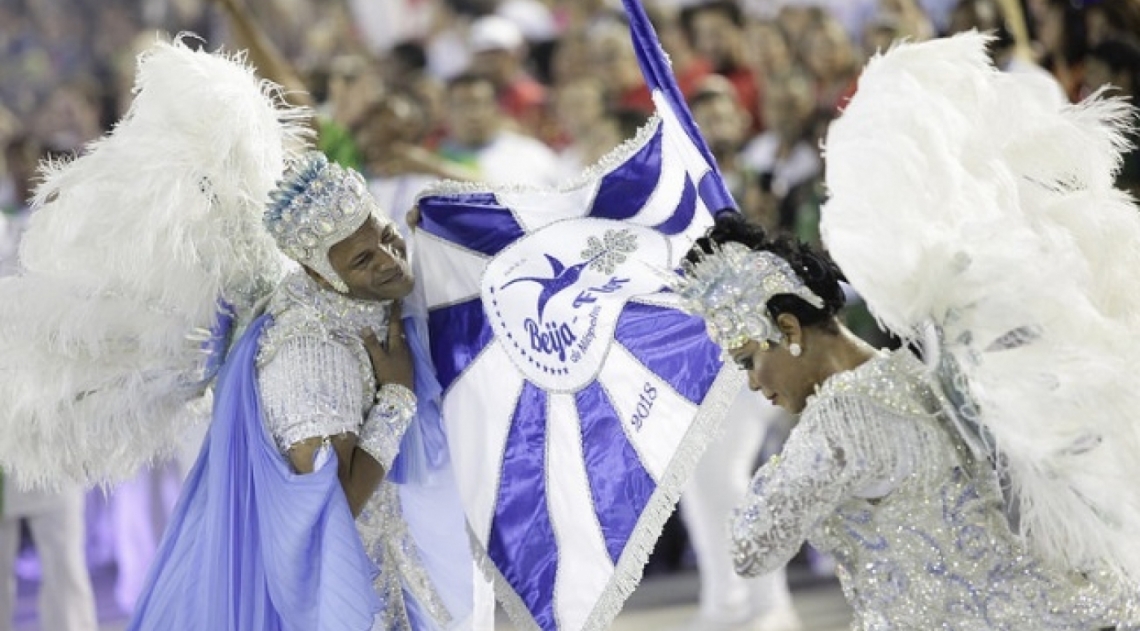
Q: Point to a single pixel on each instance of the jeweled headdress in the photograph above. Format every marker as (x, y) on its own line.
(730, 288)
(316, 206)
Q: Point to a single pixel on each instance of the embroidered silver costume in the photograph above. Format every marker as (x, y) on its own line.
(316, 381)
(874, 475)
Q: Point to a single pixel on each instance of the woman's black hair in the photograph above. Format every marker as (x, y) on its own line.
(816, 269)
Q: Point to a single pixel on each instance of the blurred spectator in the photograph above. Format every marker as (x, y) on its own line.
(1007, 53)
(498, 53)
(909, 17)
(1064, 42)
(880, 34)
(828, 53)
(386, 25)
(1111, 19)
(588, 130)
(716, 32)
(405, 68)
(391, 134)
(70, 116)
(787, 157)
(354, 81)
(448, 48)
(768, 48)
(724, 124)
(689, 68)
(478, 138)
(1116, 62)
(611, 59)
(571, 57)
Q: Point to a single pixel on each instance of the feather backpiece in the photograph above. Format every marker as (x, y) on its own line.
(973, 204)
(140, 254)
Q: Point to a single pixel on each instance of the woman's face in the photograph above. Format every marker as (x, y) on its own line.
(783, 379)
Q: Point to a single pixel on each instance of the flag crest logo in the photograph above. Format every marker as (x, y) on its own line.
(555, 296)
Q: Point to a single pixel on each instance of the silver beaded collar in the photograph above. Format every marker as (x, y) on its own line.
(335, 311)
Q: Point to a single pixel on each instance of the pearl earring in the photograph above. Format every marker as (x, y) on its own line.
(795, 349)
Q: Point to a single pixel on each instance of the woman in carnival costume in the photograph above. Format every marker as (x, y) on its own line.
(153, 273)
(993, 485)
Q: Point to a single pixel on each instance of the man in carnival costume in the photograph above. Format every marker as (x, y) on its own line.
(994, 486)
(326, 385)
(290, 518)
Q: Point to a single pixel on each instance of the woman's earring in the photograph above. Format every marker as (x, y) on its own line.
(795, 349)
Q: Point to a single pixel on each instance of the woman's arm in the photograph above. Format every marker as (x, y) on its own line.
(842, 447)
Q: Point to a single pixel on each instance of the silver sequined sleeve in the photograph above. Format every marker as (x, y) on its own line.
(311, 388)
(843, 446)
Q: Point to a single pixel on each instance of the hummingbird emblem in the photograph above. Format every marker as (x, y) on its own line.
(603, 254)
(564, 278)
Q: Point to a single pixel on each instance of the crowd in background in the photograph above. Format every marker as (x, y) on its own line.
(411, 91)
(764, 77)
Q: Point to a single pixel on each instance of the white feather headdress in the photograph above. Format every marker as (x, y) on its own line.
(131, 248)
(972, 200)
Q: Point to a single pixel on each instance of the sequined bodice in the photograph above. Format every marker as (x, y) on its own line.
(874, 476)
(316, 378)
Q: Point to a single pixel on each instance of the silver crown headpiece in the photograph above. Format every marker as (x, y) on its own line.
(730, 289)
(316, 206)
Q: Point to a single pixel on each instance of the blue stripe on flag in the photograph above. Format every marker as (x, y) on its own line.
(619, 484)
(659, 77)
(682, 217)
(476, 221)
(673, 345)
(624, 191)
(458, 333)
(712, 192)
(522, 543)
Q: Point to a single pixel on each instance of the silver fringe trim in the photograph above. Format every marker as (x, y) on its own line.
(510, 602)
(706, 426)
(628, 571)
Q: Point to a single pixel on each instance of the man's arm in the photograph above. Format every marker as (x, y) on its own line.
(359, 472)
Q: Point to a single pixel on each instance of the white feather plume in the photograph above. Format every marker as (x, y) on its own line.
(129, 249)
(974, 200)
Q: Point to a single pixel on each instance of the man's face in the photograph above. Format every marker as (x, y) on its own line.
(472, 113)
(373, 262)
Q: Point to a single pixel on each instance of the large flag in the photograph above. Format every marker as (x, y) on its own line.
(577, 397)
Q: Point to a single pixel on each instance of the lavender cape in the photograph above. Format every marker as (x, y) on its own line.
(253, 546)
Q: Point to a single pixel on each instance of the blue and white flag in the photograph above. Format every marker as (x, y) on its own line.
(577, 397)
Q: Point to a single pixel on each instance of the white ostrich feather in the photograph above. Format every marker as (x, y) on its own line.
(129, 250)
(973, 200)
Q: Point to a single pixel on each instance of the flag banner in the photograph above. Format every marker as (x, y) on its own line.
(577, 397)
